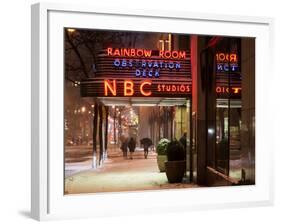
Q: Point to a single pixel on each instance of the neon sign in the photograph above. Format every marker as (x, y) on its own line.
(233, 90)
(128, 88)
(146, 68)
(227, 62)
(226, 57)
(127, 72)
(143, 92)
(128, 52)
(174, 88)
(135, 52)
(146, 88)
(147, 63)
(134, 72)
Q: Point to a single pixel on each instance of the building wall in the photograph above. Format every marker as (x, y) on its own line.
(248, 108)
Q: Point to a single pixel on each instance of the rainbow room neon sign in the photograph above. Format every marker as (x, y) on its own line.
(134, 52)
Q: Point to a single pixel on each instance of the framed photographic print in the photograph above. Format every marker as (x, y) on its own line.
(148, 111)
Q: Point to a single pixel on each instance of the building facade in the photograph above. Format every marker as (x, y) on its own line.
(160, 85)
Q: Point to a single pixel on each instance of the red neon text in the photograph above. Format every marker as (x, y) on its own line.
(225, 57)
(221, 89)
(136, 52)
(172, 54)
(110, 87)
(128, 88)
(145, 88)
(128, 52)
(173, 88)
(145, 92)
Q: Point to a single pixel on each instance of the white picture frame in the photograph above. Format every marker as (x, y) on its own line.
(48, 200)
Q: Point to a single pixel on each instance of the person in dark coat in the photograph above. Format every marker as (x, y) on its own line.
(183, 140)
(131, 146)
(124, 146)
(146, 142)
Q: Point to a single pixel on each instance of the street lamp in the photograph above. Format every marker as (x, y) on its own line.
(71, 30)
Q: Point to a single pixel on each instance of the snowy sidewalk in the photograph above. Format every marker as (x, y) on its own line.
(119, 174)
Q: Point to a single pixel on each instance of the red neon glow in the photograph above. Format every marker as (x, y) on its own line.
(225, 57)
(221, 89)
(110, 87)
(128, 52)
(236, 89)
(172, 54)
(214, 41)
(143, 92)
(180, 88)
(137, 52)
(128, 88)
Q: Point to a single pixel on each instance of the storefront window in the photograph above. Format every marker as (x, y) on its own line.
(222, 136)
(234, 69)
(235, 167)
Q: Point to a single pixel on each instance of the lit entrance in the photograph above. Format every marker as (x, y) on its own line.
(152, 118)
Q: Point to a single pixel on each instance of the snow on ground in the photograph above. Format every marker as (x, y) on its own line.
(119, 174)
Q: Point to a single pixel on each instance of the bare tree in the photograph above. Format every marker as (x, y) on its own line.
(82, 48)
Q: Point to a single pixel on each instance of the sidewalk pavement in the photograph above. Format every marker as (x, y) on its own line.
(119, 174)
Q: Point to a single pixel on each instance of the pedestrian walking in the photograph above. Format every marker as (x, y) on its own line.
(124, 146)
(146, 142)
(183, 140)
(131, 146)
